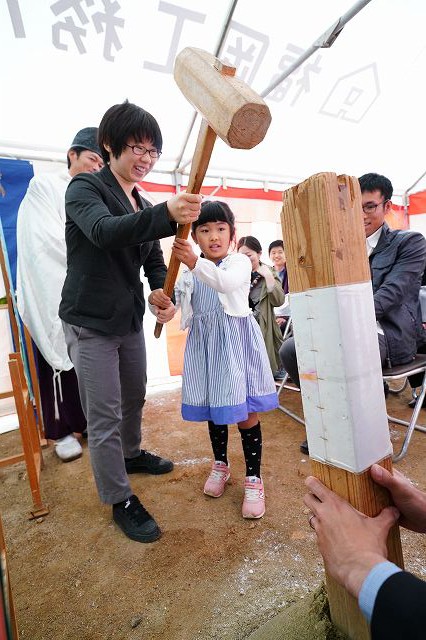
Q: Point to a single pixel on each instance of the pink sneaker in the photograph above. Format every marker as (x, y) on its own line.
(219, 475)
(254, 498)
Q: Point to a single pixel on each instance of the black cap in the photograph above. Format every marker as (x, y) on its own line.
(87, 138)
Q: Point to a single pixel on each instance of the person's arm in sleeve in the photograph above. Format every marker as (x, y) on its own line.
(372, 584)
(86, 208)
(409, 265)
(236, 274)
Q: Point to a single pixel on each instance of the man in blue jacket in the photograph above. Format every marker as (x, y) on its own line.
(397, 262)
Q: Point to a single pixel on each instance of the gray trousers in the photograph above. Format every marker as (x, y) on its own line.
(111, 373)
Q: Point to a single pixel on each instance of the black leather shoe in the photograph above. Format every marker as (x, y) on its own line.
(147, 462)
(304, 447)
(135, 521)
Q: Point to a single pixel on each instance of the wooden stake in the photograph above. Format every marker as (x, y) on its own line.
(340, 374)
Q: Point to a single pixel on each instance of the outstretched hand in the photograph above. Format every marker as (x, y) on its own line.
(410, 501)
(350, 542)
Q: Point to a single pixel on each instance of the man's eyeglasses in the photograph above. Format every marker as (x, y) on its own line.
(139, 150)
(371, 208)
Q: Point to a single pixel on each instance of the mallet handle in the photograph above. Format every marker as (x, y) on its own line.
(200, 162)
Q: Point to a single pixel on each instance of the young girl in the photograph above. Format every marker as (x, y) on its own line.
(227, 377)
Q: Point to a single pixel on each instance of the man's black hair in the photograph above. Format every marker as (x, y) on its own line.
(274, 244)
(376, 182)
(124, 121)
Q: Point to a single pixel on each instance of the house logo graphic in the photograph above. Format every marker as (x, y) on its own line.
(353, 95)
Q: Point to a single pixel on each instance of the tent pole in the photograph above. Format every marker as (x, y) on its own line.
(405, 196)
(323, 42)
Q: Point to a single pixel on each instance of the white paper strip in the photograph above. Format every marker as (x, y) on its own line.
(341, 377)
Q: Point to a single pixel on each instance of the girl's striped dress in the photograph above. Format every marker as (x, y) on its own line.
(226, 368)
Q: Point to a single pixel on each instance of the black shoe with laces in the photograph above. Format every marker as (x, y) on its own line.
(135, 521)
(147, 462)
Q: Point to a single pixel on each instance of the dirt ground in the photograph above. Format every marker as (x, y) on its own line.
(212, 575)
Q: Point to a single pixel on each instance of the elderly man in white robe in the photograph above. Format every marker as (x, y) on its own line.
(41, 270)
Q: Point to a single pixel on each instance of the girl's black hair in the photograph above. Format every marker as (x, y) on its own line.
(251, 243)
(215, 211)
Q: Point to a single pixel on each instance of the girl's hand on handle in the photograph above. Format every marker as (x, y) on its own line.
(165, 315)
(184, 252)
(184, 208)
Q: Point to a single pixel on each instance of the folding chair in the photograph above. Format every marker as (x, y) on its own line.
(402, 372)
(283, 384)
(398, 373)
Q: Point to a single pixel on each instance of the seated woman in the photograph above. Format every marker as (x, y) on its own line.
(266, 292)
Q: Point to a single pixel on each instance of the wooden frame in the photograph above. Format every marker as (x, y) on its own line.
(32, 454)
(25, 387)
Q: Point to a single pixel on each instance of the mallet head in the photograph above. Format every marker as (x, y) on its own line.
(233, 110)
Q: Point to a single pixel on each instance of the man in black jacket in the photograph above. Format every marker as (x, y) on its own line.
(354, 550)
(111, 232)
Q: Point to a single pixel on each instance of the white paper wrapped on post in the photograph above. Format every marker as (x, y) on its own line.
(340, 375)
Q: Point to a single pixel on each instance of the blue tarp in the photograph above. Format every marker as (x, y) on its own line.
(14, 178)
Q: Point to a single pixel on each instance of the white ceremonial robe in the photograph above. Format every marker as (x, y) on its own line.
(42, 263)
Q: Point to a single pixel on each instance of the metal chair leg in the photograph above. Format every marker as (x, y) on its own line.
(411, 425)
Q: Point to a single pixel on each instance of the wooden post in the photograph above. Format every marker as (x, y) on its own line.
(338, 355)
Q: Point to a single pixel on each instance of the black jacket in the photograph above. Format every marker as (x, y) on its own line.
(399, 610)
(397, 264)
(107, 244)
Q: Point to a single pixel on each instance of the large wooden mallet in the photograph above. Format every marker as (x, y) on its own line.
(230, 110)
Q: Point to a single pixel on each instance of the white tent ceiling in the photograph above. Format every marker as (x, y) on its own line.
(355, 107)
